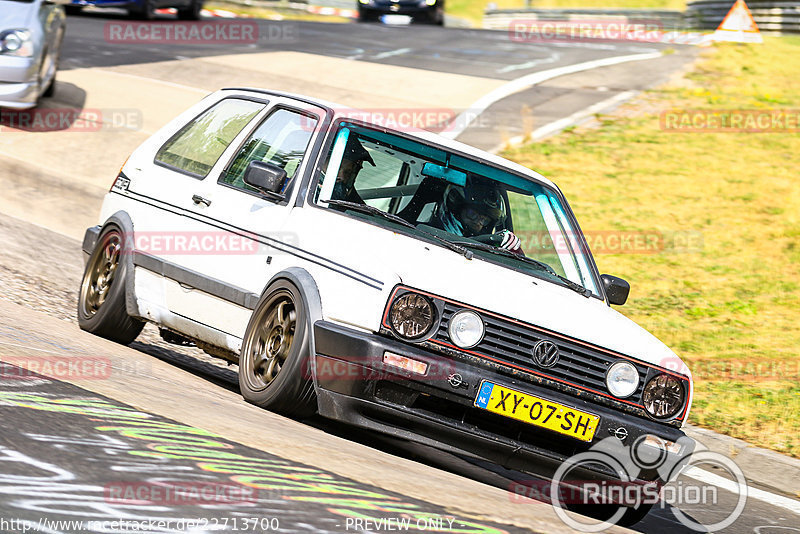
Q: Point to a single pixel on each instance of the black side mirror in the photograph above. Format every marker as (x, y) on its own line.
(265, 177)
(617, 289)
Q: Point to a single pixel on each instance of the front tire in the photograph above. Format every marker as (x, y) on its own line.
(192, 12)
(101, 303)
(274, 370)
(146, 12)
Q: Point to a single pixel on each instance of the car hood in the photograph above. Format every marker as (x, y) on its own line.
(388, 256)
(15, 14)
(485, 285)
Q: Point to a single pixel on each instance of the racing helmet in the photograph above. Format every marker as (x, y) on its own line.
(477, 208)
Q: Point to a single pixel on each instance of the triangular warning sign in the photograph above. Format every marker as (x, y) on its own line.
(738, 26)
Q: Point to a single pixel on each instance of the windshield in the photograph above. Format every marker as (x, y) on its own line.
(458, 199)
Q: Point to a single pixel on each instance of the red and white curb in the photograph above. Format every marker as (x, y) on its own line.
(336, 11)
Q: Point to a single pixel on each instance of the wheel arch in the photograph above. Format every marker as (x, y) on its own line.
(307, 286)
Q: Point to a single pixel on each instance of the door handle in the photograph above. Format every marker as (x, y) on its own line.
(197, 199)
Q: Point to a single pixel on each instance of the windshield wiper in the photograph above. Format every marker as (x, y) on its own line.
(371, 210)
(366, 208)
(586, 292)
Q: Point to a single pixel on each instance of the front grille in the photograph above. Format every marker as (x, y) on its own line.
(513, 343)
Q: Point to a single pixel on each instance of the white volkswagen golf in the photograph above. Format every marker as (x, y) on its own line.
(385, 279)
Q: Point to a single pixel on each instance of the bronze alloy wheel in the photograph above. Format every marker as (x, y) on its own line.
(102, 308)
(268, 345)
(274, 370)
(100, 275)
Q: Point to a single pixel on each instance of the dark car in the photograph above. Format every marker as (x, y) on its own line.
(423, 10)
(143, 9)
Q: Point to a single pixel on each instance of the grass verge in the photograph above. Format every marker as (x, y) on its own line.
(473, 9)
(728, 300)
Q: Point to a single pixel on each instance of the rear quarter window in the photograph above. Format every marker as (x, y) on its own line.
(198, 145)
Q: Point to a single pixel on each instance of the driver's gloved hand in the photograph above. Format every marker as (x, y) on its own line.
(509, 241)
(505, 239)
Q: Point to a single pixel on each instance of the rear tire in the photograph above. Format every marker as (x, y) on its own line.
(101, 303)
(274, 367)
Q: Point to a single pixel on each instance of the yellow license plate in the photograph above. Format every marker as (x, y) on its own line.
(536, 411)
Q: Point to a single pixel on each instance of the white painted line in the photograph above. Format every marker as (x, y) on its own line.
(754, 493)
(556, 126)
(466, 118)
(6, 344)
(390, 53)
(529, 64)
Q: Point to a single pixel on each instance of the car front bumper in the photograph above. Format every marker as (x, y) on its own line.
(356, 387)
(18, 82)
(411, 10)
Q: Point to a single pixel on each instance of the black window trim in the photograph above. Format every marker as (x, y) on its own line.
(174, 135)
(308, 153)
(316, 150)
(331, 137)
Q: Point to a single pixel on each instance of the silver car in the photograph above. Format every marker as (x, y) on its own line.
(31, 32)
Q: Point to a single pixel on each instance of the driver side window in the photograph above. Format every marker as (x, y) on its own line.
(282, 140)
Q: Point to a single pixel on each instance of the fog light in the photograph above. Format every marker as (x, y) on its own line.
(407, 364)
(663, 444)
(466, 329)
(622, 379)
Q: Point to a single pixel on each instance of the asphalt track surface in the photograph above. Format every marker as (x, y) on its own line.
(64, 448)
(480, 54)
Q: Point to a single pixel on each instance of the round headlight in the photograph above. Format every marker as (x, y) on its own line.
(466, 329)
(663, 396)
(12, 41)
(622, 379)
(411, 316)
